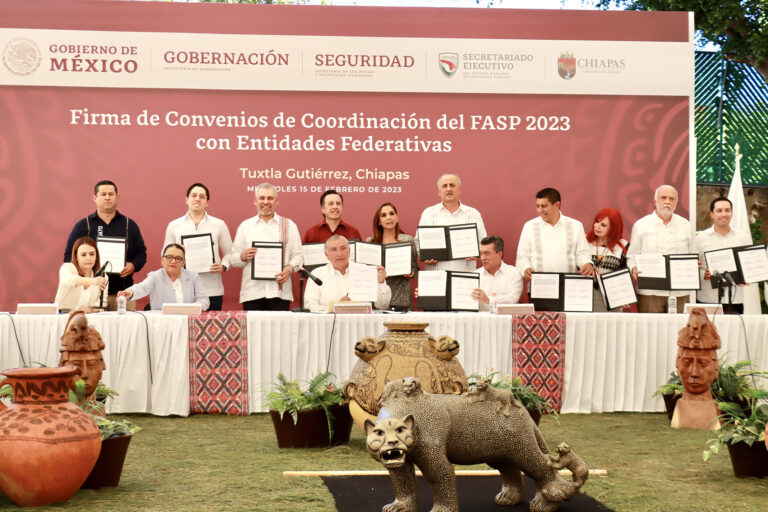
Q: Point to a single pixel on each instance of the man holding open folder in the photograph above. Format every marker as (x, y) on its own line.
(661, 232)
(720, 236)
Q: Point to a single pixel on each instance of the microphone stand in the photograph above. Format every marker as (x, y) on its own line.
(301, 309)
(103, 272)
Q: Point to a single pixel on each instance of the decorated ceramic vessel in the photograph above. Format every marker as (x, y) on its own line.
(48, 444)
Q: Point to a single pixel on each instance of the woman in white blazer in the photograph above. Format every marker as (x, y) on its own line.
(78, 288)
(172, 283)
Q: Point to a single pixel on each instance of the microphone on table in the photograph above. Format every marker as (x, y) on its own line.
(729, 279)
(101, 272)
(310, 275)
(716, 279)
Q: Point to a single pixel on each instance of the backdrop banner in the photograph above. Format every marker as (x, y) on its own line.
(375, 102)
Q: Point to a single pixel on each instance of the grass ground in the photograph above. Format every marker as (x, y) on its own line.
(224, 463)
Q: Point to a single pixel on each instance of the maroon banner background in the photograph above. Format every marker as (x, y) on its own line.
(618, 150)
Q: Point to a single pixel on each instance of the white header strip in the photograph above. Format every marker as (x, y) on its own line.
(321, 63)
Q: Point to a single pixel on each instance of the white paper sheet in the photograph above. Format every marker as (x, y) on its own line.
(432, 283)
(112, 250)
(363, 283)
(268, 262)
(651, 265)
(198, 252)
(577, 294)
(314, 255)
(684, 273)
(464, 242)
(461, 292)
(397, 260)
(721, 261)
(432, 237)
(545, 286)
(367, 253)
(618, 288)
(754, 265)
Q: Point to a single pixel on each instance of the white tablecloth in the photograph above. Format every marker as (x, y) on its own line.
(614, 362)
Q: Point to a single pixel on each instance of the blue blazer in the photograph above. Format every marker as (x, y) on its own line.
(160, 289)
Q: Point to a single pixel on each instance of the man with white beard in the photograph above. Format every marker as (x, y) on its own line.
(660, 232)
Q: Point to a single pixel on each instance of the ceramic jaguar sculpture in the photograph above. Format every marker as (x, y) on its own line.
(433, 432)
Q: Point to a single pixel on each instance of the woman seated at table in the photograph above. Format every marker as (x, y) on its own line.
(172, 283)
(386, 230)
(609, 250)
(78, 288)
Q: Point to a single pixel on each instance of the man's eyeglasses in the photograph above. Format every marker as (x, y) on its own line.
(170, 258)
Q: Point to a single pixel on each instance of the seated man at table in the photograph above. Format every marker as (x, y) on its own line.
(336, 279)
(499, 283)
(172, 283)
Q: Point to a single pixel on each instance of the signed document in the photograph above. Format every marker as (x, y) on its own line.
(651, 265)
(754, 264)
(577, 293)
(545, 286)
(684, 272)
(618, 289)
(363, 283)
(368, 253)
(462, 285)
(464, 242)
(397, 259)
(721, 260)
(432, 283)
(198, 253)
(112, 250)
(268, 261)
(432, 237)
(314, 255)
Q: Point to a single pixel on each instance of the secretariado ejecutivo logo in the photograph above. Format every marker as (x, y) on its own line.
(21, 56)
(566, 65)
(448, 63)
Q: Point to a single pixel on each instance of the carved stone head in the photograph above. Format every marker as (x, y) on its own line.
(81, 346)
(696, 356)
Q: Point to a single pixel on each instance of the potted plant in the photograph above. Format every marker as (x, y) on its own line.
(671, 391)
(115, 436)
(317, 415)
(743, 432)
(735, 382)
(524, 393)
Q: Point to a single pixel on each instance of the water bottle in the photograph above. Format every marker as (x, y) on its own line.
(672, 305)
(121, 305)
(493, 308)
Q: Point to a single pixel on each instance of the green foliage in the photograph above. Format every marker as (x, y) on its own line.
(672, 386)
(6, 391)
(94, 406)
(736, 381)
(739, 424)
(524, 393)
(111, 428)
(320, 393)
(739, 27)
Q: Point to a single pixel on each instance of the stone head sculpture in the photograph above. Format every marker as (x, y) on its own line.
(697, 361)
(81, 346)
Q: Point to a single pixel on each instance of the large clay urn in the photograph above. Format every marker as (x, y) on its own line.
(405, 350)
(48, 445)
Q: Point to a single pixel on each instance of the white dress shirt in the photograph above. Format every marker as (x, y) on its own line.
(547, 248)
(651, 236)
(335, 286)
(711, 240)
(506, 284)
(256, 230)
(219, 232)
(438, 215)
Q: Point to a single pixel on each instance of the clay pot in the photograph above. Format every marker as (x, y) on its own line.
(311, 430)
(749, 460)
(109, 466)
(535, 415)
(48, 444)
(670, 401)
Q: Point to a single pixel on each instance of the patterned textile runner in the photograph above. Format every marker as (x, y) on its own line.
(538, 352)
(218, 363)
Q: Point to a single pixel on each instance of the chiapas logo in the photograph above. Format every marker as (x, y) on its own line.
(566, 65)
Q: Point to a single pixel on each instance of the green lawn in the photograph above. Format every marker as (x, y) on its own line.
(213, 463)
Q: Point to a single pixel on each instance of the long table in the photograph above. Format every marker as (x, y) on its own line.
(613, 361)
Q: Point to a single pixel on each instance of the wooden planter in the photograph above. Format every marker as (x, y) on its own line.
(670, 400)
(311, 429)
(109, 466)
(535, 415)
(749, 460)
